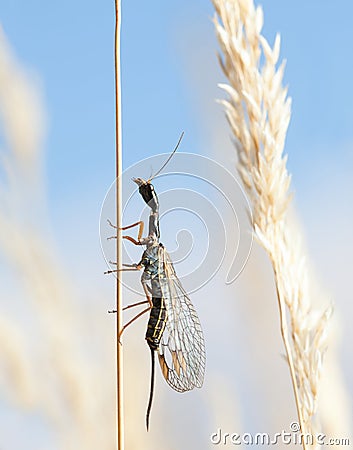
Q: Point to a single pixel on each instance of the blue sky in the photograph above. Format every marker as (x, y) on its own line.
(69, 45)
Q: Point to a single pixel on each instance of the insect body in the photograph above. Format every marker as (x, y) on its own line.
(174, 331)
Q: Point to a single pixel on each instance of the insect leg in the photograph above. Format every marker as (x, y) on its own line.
(132, 320)
(140, 224)
(125, 269)
(130, 306)
(148, 300)
(131, 239)
(135, 304)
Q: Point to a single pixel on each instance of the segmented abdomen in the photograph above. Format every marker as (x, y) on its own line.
(156, 323)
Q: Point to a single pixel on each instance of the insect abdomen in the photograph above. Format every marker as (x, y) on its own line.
(156, 323)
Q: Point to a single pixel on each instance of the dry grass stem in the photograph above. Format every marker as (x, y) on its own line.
(258, 111)
(119, 307)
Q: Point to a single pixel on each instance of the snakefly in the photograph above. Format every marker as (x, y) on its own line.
(173, 331)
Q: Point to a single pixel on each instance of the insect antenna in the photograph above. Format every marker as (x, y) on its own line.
(151, 390)
(169, 157)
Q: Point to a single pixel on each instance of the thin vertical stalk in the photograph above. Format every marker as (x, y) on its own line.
(118, 131)
(287, 346)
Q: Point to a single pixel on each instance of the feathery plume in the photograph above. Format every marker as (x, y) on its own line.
(258, 111)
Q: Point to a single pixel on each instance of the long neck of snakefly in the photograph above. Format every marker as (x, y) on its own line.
(149, 195)
(153, 228)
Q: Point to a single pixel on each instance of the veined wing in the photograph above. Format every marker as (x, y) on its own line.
(182, 348)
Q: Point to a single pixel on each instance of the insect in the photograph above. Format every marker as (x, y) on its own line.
(173, 331)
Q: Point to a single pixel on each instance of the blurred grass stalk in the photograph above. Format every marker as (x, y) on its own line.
(118, 131)
(258, 111)
(47, 372)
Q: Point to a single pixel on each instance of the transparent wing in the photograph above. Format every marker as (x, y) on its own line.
(182, 349)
